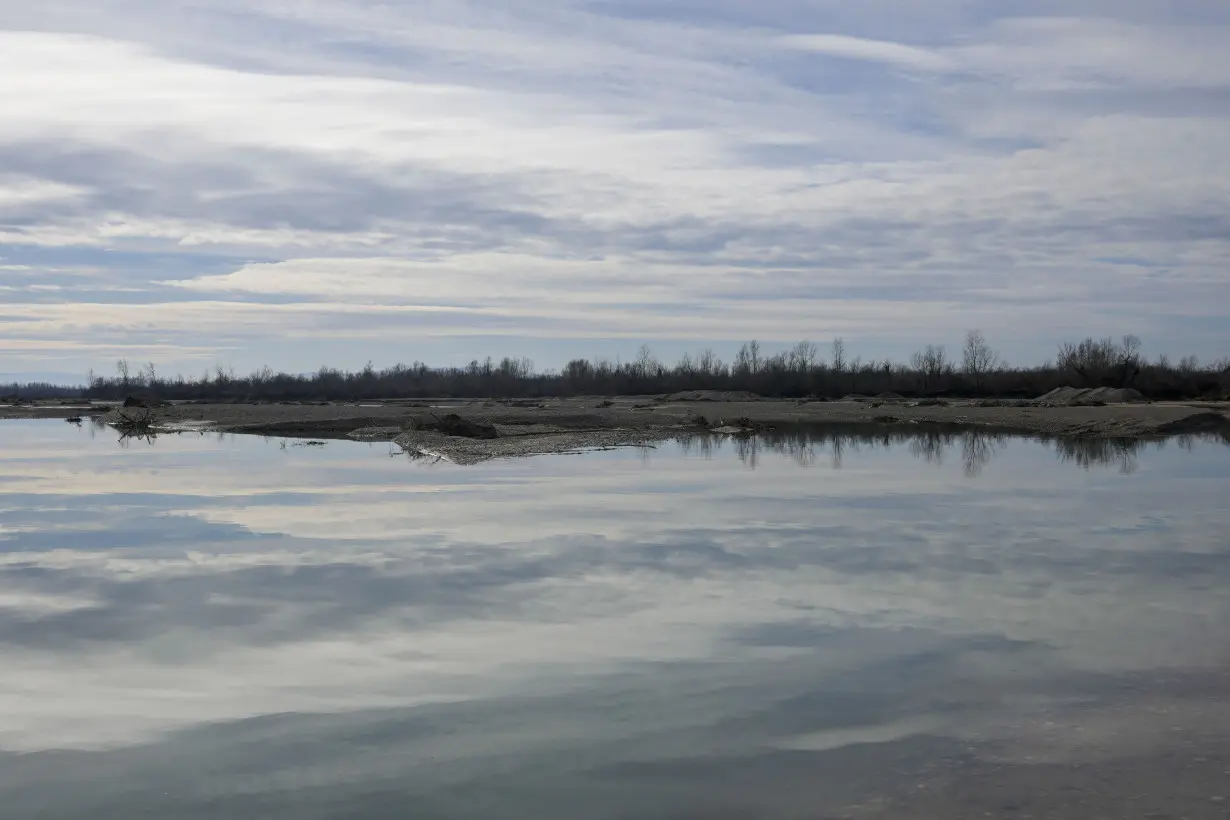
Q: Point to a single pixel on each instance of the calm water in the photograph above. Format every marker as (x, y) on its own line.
(939, 626)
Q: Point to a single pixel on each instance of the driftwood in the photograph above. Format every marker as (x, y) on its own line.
(139, 423)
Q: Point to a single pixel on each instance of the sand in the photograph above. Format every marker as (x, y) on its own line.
(1076, 396)
(562, 425)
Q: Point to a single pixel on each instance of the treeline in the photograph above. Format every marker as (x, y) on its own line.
(805, 370)
(37, 390)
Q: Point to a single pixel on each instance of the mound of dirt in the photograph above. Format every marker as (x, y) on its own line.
(713, 395)
(454, 425)
(1075, 396)
(144, 401)
(1060, 395)
(433, 446)
(890, 396)
(1118, 395)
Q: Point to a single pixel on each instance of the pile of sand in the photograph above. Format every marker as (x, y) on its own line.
(713, 395)
(1072, 396)
(434, 446)
(1118, 395)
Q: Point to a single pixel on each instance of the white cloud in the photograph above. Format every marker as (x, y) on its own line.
(18, 191)
(1073, 53)
(880, 51)
(522, 163)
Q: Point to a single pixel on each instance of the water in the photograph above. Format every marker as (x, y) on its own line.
(801, 627)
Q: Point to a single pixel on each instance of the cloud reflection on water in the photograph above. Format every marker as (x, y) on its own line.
(565, 626)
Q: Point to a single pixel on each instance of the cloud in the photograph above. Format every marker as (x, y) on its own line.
(1072, 53)
(721, 170)
(858, 48)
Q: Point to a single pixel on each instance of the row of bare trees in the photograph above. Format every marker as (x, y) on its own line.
(805, 369)
(36, 390)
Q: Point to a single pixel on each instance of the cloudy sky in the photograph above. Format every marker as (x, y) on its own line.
(301, 182)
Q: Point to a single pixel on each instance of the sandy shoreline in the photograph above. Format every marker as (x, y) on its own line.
(528, 427)
(642, 413)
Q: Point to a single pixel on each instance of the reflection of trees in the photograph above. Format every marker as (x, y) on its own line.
(930, 443)
(792, 443)
(748, 450)
(977, 450)
(699, 444)
(801, 443)
(930, 446)
(978, 447)
(1101, 452)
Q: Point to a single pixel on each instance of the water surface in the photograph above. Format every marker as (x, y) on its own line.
(805, 626)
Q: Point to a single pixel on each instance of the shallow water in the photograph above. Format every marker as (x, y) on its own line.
(812, 625)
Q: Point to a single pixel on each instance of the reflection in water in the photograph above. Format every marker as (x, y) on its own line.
(800, 443)
(1100, 452)
(225, 627)
(807, 445)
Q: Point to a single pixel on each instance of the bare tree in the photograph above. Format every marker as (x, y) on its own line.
(1089, 359)
(743, 360)
(578, 371)
(647, 366)
(932, 362)
(856, 368)
(801, 370)
(748, 357)
(708, 363)
(839, 354)
(510, 368)
(1130, 359)
(803, 357)
(1097, 360)
(978, 359)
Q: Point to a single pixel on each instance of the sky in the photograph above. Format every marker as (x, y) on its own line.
(307, 182)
